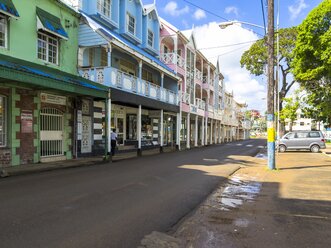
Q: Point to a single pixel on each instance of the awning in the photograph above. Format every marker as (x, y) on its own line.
(7, 7)
(50, 24)
(42, 77)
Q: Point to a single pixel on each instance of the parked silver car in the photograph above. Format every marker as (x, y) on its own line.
(302, 140)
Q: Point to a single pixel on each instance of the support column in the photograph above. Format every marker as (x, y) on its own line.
(188, 133)
(161, 131)
(219, 132)
(162, 79)
(109, 51)
(215, 132)
(211, 132)
(139, 130)
(196, 131)
(203, 132)
(206, 131)
(108, 126)
(139, 84)
(179, 125)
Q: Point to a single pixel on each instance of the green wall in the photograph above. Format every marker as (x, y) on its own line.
(22, 40)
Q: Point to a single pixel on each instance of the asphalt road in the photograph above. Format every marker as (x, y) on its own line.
(112, 205)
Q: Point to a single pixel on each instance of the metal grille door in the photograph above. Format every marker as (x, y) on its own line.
(51, 132)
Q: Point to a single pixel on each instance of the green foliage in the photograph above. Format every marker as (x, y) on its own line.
(319, 104)
(312, 62)
(255, 59)
(290, 109)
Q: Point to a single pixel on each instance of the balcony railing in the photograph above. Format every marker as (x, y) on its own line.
(201, 104)
(198, 75)
(115, 78)
(172, 58)
(186, 98)
(205, 80)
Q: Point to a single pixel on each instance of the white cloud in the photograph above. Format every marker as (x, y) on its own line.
(296, 9)
(172, 9)
(232, 9)
(199, 14)
(246, 87)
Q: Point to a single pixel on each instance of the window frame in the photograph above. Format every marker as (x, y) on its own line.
(48, 44)
(129, 24)
(150, 32)
(103, 9)
(6, 24)
(3, 132)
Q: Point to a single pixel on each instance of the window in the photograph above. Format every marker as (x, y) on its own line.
(147, 75)
(302, 135)
(3, 120)
(131, 22)
(104, 7)
(290, 135)
(48, 48)
(3, 31)
(127, 67)
(314, 135)
(150, 38)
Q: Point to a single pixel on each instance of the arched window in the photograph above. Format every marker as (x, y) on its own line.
(3, 121)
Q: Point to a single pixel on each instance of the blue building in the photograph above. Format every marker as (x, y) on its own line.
(119, 48)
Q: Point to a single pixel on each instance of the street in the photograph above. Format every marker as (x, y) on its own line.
(113, 205)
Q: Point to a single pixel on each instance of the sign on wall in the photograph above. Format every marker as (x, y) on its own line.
(54, 99)
(26, 121)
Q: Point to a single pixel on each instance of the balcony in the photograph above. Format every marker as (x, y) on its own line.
(174, 61)
(117, 79)
(186, 98)
(200, 104)
(205, 84)
(198, 76)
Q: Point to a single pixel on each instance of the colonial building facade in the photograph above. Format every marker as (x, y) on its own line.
(41, 95)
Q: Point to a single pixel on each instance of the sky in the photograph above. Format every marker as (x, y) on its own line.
(228, 44)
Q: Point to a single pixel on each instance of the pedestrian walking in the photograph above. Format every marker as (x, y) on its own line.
(113, 141)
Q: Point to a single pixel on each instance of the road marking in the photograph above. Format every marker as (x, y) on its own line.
(211, 159)
(249, 145)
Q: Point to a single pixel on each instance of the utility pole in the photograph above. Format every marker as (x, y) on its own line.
(271, 88)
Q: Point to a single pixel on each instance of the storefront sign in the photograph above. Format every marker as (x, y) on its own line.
(54, 99)
(154, 113)
(26, 121)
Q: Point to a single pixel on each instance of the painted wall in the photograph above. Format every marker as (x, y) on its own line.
(22, 41)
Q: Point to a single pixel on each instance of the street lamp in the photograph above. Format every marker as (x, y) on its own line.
(271, 82)
(224, 25)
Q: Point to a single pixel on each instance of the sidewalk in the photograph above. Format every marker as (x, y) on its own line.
(289, 207)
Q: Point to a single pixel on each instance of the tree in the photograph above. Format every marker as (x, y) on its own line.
(289, 112)
(312, 61)
(255, 60)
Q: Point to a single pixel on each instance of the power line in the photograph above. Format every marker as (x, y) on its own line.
(262, 6)
(229, 45)
(214, 14)
(232, 51)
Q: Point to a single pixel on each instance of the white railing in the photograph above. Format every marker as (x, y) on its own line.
(198, 74)
(186, 98)
(115, 78)
(172, 58)
(210, 108)
(205, 80)
(200, 103)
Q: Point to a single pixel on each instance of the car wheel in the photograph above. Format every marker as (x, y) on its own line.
(282, 148)
(315, 148)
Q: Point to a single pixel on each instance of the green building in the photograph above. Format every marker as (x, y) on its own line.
(47, 112)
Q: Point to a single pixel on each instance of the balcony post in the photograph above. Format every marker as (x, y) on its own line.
(203, 132)
(139, 83)
(161, 131)
(196, 131)
(109, 51)
(211, 132)
(176, 52)
(139, 130)
(188, 131)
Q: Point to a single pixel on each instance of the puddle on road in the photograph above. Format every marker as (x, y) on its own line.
(237, 191)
